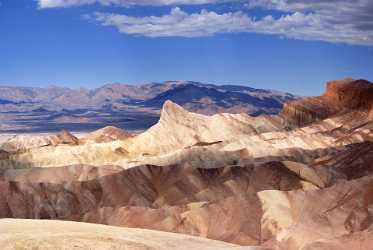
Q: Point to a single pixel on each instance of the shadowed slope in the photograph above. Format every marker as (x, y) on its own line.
(321, 215)
(176, 199)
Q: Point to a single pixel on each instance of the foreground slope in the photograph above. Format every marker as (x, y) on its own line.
(53, 235)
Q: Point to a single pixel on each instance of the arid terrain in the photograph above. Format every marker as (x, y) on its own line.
(301, 179)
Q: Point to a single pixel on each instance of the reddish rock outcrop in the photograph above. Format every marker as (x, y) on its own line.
(349, 94)
(340, 96)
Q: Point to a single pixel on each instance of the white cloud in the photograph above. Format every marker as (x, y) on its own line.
(69, 3)
(297, 25)
(177, 23)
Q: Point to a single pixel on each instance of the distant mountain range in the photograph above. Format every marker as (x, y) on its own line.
(129, 106)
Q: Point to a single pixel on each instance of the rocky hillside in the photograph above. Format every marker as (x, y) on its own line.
(300, 180)
(340, 97)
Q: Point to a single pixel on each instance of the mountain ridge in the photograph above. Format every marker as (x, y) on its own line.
(119, 91)
(127, 106)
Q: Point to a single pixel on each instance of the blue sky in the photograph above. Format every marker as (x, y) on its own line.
(88, 43)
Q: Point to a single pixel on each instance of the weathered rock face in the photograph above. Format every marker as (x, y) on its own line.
(145, 185)
(235, 178)
(304, 111)
(354, 162)
(340, 96)
(331, 213)
(349, 94)
(174, 199)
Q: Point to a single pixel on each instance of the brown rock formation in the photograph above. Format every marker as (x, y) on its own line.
(340, 96)
(349, 94)
(175, 199)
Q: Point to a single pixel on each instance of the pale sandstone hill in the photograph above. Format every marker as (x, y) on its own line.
(178, 128)
(58, 235)
(106, 134)
(62, 155)
(24, 142)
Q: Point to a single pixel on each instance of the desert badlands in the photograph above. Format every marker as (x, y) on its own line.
(298, 180)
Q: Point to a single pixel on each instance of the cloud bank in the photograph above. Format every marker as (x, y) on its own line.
(296, 25)
(337, 21)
